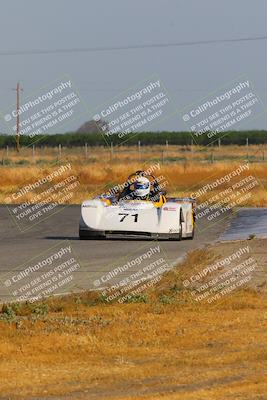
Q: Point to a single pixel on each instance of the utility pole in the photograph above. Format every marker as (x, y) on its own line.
(86, 150)
(18, 90)
(111, 150)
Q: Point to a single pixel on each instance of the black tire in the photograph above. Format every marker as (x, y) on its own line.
(193, 234)
(176, 236)
(87, 235)
(82, 235)
(181, 232)
(181, 227)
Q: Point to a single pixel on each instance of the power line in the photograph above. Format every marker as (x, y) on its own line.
(130, 47)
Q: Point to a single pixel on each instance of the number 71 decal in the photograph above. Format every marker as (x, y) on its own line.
(124, 215)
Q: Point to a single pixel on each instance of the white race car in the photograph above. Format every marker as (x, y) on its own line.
(109, 216)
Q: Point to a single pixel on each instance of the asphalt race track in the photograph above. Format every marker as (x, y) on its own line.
(28, 257)
(249, 222)
(95, 257)
(98, 260)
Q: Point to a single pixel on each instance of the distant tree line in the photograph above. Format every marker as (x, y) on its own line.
(146, 138)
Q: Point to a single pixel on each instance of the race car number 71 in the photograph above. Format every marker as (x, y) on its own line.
(124, 215)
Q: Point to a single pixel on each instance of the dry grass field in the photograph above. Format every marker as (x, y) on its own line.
(184, 169)
(163, 346)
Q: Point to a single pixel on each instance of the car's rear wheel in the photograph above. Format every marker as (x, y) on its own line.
(181, 232)
(193, 234)
(180, 226)
(177, 236)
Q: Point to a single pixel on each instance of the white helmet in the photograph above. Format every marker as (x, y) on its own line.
(141, 187)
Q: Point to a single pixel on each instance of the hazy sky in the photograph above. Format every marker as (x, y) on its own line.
(189, 73)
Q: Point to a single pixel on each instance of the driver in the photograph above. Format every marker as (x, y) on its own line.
(141, 188)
